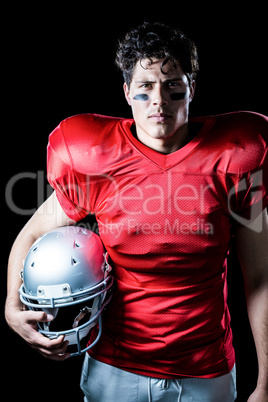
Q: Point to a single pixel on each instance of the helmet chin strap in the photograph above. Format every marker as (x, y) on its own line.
(86, 310)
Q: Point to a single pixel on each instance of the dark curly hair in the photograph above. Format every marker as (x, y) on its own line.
(155, 40)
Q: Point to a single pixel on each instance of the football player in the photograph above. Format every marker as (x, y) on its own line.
(170, 194)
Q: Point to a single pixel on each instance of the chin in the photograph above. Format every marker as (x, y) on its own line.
(162, 134)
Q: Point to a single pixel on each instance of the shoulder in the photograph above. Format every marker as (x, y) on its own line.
(237, 141)
(89, 142)
(77, 135)
(89, 121)
(85, 127)
(244, 125)
(238, 124)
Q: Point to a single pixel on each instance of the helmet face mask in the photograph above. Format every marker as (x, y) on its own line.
(66, 274)
(74, 322)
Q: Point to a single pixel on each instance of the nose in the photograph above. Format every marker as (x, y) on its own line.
(159, 97)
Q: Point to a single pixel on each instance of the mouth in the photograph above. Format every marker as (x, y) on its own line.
(160, 117)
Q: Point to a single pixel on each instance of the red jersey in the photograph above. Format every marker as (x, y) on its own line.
(167, 222)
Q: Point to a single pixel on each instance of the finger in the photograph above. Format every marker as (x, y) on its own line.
(40, 340)
(58, 354)
(60, 350)
(38, 316)
(56, 342)
(50, 348)
(61, 357)
(58, 357)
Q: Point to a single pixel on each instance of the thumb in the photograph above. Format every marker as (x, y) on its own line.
(46, 317)
(40, 316)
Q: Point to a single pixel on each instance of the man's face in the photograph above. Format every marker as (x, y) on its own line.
(159, 102)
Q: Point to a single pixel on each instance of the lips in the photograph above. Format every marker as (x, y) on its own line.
(160, 117)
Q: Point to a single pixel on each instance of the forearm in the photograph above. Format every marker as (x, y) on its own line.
(257, 301)
(18, 254)
(251, 242)
(47, 217)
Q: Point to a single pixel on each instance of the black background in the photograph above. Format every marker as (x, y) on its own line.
(59, 62)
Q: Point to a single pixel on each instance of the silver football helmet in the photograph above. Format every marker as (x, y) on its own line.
(65, 270)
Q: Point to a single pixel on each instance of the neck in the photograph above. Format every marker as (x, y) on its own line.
(165, 145)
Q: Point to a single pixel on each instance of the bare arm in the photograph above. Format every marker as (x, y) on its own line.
(49, 216)
(252, 247)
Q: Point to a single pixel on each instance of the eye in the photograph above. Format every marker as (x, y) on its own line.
(146, 86)
(172, 85)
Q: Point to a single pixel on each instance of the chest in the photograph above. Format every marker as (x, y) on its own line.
(162, 205)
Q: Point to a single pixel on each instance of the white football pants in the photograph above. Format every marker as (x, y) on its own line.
(101, 382)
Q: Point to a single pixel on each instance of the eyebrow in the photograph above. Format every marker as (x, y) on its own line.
(175, 79)
(144, 82)
(152, 82)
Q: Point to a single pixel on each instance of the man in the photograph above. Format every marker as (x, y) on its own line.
(169, 194)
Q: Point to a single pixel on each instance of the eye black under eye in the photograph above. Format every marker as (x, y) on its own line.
(141, 97)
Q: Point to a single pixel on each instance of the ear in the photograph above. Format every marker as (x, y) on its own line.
(127, 96)
(192, 91)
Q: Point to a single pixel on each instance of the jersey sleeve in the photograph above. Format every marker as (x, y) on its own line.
(248, 191)
(247, 197)
(71, 187)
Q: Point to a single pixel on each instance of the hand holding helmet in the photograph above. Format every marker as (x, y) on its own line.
(67, 276)
(25, 324)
